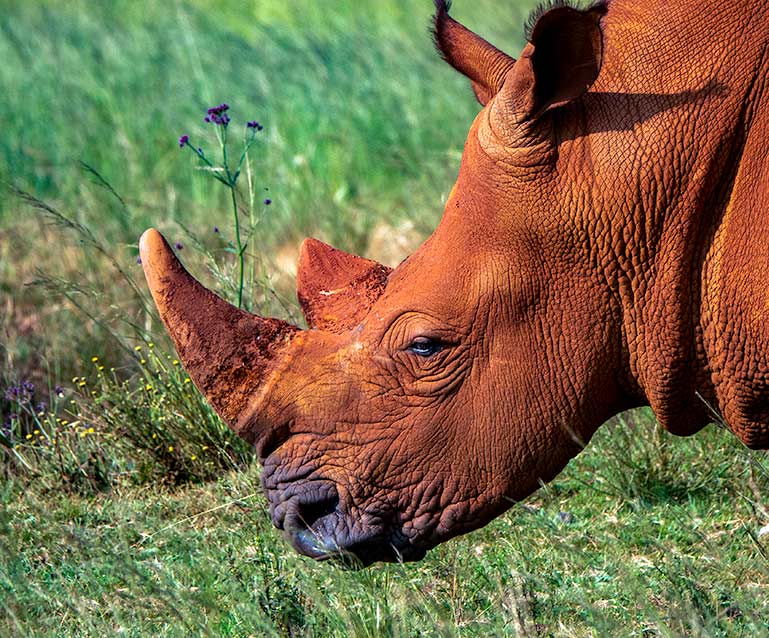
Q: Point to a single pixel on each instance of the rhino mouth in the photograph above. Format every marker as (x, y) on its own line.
(317, 526)
(355, 552)
(360, 553)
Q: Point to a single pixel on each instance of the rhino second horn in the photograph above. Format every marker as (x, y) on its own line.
(227, 352)
(336, 289)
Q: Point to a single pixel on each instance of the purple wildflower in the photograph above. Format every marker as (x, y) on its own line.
(178, 245)
(267, 201)
(42, 406)
(255, 125)
(21, 393)
(58, 391)
(216, 229)
(218, 115)
(139, 260)
(218, 110)
(183, 141)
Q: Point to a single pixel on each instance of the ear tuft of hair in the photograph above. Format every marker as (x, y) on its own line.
(528, 28)
(441, 17)
(442, 7)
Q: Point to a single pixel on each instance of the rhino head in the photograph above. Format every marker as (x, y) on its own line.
(423, 401)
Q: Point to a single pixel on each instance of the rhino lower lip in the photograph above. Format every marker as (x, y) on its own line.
(361, 552)
(310, 543)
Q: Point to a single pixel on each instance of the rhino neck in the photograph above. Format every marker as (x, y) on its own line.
(710, 301)
(645, 244)
(694, 291)
(735, 275)
(680, 263)
(665, 148)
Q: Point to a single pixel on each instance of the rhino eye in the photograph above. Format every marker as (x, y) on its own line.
(425, 347)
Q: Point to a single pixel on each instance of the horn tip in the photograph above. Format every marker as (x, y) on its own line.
(150, 241)
(312, 247)
(157, 258)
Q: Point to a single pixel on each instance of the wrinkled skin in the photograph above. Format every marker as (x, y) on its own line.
(606, 246)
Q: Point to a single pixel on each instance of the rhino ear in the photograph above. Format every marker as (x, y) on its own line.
(336, 289)
(560, 63)
(482, 63)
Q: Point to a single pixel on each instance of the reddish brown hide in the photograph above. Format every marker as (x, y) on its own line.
(606, 246)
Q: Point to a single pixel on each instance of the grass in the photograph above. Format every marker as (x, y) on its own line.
(127, 508)
(670, 552)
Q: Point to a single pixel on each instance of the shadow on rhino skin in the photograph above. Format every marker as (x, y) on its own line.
(622, 111)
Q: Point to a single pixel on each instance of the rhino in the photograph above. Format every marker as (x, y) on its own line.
(605, 246)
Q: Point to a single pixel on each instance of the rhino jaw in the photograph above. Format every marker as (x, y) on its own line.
(227, 352)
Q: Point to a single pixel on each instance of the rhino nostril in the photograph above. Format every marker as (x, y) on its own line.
(310, 512)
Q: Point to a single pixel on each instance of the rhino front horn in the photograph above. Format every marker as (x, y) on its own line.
(227, 352)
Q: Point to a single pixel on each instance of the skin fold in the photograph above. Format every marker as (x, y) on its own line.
(605, 246)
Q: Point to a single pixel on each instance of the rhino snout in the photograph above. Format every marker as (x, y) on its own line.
(317, 524)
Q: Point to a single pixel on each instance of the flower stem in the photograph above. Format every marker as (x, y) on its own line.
(241, 248)
(238, 241)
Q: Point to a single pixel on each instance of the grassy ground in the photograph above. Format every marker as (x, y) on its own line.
(643, 535)
(126, 506)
